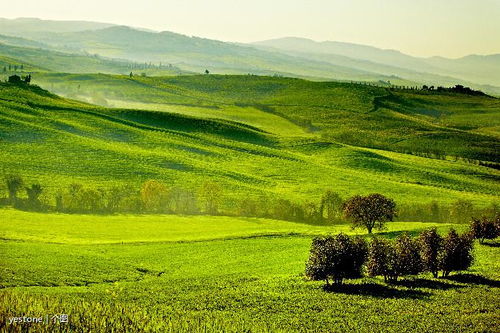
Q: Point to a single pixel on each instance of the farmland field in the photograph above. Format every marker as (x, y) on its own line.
(218, 273)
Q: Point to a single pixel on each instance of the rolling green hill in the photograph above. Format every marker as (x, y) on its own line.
(440, 124)
(56, 141)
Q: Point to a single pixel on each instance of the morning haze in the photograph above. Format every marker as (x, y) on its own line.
(424, 28)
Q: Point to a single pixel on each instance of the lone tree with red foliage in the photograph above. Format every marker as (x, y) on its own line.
(369, 211)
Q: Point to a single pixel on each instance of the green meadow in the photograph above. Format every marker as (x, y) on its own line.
(267, 138)
(173, 273)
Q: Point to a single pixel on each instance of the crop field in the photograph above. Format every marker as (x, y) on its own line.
(218, 273)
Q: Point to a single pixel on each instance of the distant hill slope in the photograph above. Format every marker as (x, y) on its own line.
(292, 57)
(440, 124)
(195, 54)
(477, 69)
(41, 59)
(56, 141)
(26, 25)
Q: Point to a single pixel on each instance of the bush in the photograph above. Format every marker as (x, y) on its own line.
(485, 228)
(408, 259)
(431, 244)
(336, 257)
(393, 259)
(378, 253)
(456, 254)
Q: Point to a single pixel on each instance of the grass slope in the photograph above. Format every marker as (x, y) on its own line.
(57, 142)
(183, 283)
(44, 60)
(398, 120)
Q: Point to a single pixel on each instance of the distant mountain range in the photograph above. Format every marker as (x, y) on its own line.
(296, 57)
(480, 69)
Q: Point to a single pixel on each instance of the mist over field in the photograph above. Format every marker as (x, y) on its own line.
(155, 181)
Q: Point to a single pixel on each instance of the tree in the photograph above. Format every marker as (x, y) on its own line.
(331, 204)
(485, 228)
(370, 211)
(393, 259)
(183, 201)
(456, 254)
(336, 257)
(14, 184)
(34, 193)
(461, 211)
(378, 252)
(248, 207)
(131, 74)
(409, 261)
(211, 193)
(431, 244)
(207, 71)
(434, 211)
(15, 79)
(91, 200)
(154, 195)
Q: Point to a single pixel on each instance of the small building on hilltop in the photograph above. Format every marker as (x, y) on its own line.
(15, 79)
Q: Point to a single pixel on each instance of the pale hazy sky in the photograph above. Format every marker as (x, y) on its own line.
(450, 28)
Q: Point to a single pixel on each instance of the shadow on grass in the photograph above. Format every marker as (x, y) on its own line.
(496, 244)
(424, 283)
(474, 279)
(375, 290)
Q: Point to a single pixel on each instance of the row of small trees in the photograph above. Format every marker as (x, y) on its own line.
(153, 196)
(13, 68)
(335, 258)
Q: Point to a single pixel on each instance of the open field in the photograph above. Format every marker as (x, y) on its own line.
(237, 274)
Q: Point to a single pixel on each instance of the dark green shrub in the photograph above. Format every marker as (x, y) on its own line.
(457, 253)
(431, 244)
(485, 228)
(392, 259)
(408, 259)
(336, 257)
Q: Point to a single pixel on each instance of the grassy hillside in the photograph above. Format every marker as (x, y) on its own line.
(440, 124)
(56, 142)
(103, 272)
(44, 60)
